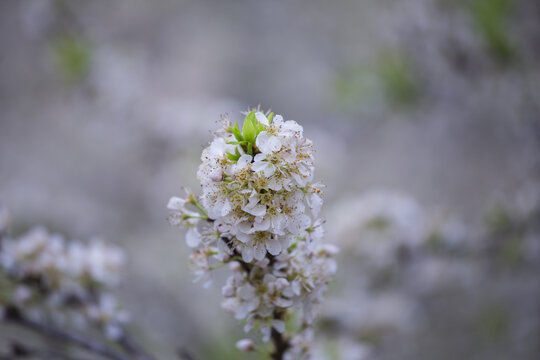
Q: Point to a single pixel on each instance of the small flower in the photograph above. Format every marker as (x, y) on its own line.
(268, 144)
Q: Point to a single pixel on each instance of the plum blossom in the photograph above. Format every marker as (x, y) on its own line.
(258, 211)
(70, 281)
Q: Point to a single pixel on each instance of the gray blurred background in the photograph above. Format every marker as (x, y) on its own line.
(425, 112)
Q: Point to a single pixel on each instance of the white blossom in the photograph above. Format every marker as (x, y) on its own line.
(63, 279)
(258, 210)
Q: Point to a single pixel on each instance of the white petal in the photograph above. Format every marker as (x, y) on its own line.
(265, 331)
(216, 174)
(227, 291)
(285, 241)
(259, 166)
(316, 204)
(273, 246)
(223, 249)
(246, 291)
(218, 147)
(176, 203)
(273, 184)
(274, 144)
(193, 238)
(262, 142)
(262, 225)
(247, 254)
(278, 325)
(300, 222)
(257, 210)
(293, 126)
(243, 161)
(296, 287)
(246, 227)
(243, 237)
(330, 249)
(259, 157)
(269, 170)
(304, 221)
(253, 303)
(268, 278)
(262, 118)
(226, 209)
(259, 251)
(242, 310)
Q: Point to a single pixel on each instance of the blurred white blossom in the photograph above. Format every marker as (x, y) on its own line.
(49, 277)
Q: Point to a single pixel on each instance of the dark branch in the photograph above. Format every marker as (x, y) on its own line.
(18, 350)
(184, 354)
(132, 348)
(281, 344)
(14, 316)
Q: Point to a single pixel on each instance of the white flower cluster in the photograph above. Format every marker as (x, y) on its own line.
(258, 211)
(49, 278)
(295, 279)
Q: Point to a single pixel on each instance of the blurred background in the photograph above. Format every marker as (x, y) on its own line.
(425, 115)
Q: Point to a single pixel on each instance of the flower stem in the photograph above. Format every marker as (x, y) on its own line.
(281, 344)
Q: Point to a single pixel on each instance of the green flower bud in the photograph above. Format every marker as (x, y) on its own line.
(249, 130)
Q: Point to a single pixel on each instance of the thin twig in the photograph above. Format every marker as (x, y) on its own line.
(14, 316)
(23, 351)
(184, 354)
(280, 343)
(132, 348)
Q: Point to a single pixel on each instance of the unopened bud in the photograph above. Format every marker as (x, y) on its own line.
(245, 345)
(235, 266)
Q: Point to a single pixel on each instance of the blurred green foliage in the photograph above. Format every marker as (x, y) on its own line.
(493, 323)
(491, 19)
(72, 56)
(355, 85)
(511, 252)
(390, 75)
(378, 224)
(498, 219)
(508, 236)
(435, 241)
(398, 79)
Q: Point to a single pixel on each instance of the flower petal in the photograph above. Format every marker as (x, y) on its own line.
(257, 210)
(259, 166)
(193, 238)
(273, 246)
(259, 251)
(247, 254)
(176, 203)
(269, 170)
(243, 161)
(262, 118)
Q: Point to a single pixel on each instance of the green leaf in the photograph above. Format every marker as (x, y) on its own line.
(237, 142)
(249, 129)
(236, 132)
(259, 127)
(235, 156)
(270, 117)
